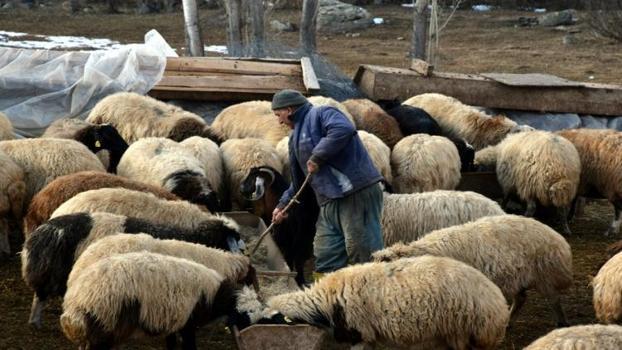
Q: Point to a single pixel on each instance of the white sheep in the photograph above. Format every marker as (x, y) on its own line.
(319, 101)
(210, 156)
(250, 119)
(12, 197)
(403, 303)
(240, 156)
(138, 204)
(407, 217)
(6, 128)
(43, 160)
(50, 251)
(607, 296)
(153, 293)
(459, 120)
(282, 149)
(136, 116)
(370, 117)
(379, 153)
(163, 162)
(601, 168)
(421, 162)
(515, 252)
(539, 167)
(588, 337)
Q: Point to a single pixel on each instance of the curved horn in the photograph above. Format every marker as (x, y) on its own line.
(269, 172)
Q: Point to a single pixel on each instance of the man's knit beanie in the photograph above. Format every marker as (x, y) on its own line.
(287, 98)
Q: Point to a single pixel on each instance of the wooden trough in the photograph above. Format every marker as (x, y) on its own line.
(281, 337)
(233, 79)
(484, 182)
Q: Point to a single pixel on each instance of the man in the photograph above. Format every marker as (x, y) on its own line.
(346, 183)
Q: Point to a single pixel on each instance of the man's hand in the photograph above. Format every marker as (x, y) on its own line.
(278, 215)
(312, 167)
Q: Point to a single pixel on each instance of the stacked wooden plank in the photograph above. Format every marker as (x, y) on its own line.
(207, 78)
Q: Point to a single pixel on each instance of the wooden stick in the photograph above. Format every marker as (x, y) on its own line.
(291, 202)
(276, 273)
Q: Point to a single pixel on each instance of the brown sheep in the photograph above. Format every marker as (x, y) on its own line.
(63, 188)
(370, 117)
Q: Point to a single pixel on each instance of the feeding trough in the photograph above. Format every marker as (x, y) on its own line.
(282, 337)
(483, 182)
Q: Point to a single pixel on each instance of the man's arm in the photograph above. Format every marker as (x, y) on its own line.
(339, 131)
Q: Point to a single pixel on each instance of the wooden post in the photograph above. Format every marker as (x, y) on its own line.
(234, 28)
(193, 33)
(256, 14)
(420, 29)
(308, 25)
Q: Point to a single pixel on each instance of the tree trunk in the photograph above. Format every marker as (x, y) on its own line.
(256, 14)
(420, 28)
(308, 24)
(193, 33)
(234, 28)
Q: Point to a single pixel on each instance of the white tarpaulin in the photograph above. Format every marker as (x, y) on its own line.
(40, 86)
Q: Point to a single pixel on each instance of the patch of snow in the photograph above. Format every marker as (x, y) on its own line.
(12, 39)
(378, 20)
(408, 5)
(539, 10)
(222, 49)
(481, 8)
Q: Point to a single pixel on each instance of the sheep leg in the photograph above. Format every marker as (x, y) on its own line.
(517, 304)
(171, 341)
(531, 209)
(505, 201)
(560, 316)
(563, 216)
(35, 311)
(617, 220)
(188, 338)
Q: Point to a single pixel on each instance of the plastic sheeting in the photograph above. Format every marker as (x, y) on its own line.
(40, 86)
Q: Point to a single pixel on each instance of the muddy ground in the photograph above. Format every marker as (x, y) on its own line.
(472, 42)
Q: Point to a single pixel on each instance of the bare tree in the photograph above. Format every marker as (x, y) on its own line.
(255, 21)
(193, 33)
(605, 17)
(234, 27)
(420, 29)
(308, 25)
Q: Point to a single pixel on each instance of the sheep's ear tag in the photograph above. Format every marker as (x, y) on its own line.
(98, 144)
(228, 330)
(287, 319)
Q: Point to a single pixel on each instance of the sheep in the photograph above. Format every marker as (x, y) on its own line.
(422, 163)
(239, 156)
(515, 252)
(319, 101)
(103, 140)
(209, 155)
(50, 251)
(63, 188)
(370, 117)
(235, 268)
(601, 171)
(462, 121)
(43, 160)
(379, 153)
(137, 204)
(136, 116)
(539, 167)
(294, 236)
(12, 195)
(587, 337)
(407, 217)
(282, 148)
(403, 303)
(607, 297)
(151, 293)
(6, 128)
(163, 162)
(250, 119)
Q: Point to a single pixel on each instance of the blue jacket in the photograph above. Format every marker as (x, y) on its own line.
(326, 136)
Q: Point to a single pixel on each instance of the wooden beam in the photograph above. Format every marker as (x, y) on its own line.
(258, 82)
(308, 75)
(198, 95)
(422, 67)
(248, 67)
(383, 83)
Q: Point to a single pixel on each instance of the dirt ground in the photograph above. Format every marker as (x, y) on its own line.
(472, 42)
